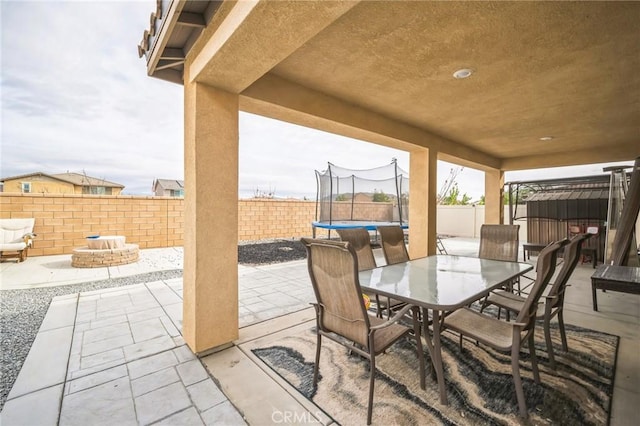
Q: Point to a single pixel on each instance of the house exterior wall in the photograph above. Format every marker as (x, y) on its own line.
(39, 185)
(46, 185)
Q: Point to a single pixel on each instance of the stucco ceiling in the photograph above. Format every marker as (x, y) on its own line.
(569, 70)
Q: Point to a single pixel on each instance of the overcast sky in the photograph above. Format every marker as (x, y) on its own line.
(76, 97)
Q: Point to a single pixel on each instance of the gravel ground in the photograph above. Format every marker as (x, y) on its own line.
(22, 311)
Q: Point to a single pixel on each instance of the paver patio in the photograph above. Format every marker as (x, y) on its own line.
(116, 355)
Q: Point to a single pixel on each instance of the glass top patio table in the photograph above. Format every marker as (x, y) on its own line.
(440, 283)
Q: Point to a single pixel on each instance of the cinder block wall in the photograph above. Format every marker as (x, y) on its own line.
(260, 219)
(63, 221)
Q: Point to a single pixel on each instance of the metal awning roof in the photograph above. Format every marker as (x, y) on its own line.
(572, 194)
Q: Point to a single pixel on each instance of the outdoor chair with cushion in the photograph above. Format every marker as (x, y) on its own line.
(361, 244)
(393, 247)
(553, 301)
(341, 314)
(16, 237)
(506, 336)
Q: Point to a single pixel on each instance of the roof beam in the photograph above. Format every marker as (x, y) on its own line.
(162, 65)
(278, 98)
(172, 54)
(622, 152)
(190, 19)
(266, 32)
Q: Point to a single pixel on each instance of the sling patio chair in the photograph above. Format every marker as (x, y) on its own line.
(393, 247)
(341, 314)
(361, 244)
(506, 336)
(553, 301)
(500, 242)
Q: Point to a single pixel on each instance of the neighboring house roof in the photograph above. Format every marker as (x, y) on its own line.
(77, 179)
(170, 184)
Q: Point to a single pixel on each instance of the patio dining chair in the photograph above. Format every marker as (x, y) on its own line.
(554, 299)
(341, 314)
(392, 241)
(361, 244)
(509, 336)
(500, 242)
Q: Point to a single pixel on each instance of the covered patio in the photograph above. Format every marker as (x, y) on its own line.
(118, 355)
(493, 86)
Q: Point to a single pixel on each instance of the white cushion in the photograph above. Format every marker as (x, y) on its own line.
(13, 246)
(14, 230)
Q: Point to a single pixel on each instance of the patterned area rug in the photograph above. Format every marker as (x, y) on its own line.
(479, 381)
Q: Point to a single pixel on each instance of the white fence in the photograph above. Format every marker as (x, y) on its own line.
(465, 221)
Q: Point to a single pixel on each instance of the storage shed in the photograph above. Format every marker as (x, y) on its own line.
(561, 208)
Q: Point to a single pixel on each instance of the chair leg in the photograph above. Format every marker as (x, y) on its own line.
(316, 367)
(484, 304)
(547, 339)
(563, 334)
(372, 378)
(517, 380)
(534, 359)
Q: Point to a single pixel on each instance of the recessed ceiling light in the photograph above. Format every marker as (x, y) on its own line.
(546, 138)
(463, 73)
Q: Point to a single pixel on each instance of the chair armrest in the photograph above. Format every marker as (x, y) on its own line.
(397, 317)
(28, 238)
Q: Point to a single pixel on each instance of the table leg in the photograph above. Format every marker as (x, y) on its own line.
(435, 350)
(593, 295)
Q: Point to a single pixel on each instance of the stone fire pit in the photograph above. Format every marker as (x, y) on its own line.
(105, 251)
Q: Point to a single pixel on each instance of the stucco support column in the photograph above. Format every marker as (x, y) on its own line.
(210, 295)
(423, 171)
(493, 196)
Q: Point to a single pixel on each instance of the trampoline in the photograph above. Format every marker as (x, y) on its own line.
(348, 224)
(348, 198)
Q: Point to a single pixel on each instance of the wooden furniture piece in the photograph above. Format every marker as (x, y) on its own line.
(625, 279)
(16, 237)
(440, 283)
(341, 314)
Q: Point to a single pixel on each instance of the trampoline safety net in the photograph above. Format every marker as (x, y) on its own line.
(380, 194)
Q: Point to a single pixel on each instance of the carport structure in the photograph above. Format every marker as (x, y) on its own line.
(547, 84)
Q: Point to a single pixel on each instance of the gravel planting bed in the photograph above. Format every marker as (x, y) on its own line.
(22, 311)
(271, 252)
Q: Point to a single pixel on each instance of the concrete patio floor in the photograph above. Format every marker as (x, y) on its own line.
(116, 356)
